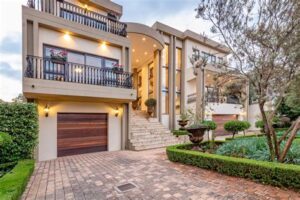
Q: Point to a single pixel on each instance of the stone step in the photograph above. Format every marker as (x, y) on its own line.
(151, 137)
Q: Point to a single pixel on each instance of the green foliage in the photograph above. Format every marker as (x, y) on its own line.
(210, 124)
(180, 132)
(20, 121)
(5, 140)
(259, 124)
(277, 174)
(150, 102)
(256, 148)
(6, 167)
(247, 125)
(6, 144)
(185, 116)
(13, 184)
(234, 126)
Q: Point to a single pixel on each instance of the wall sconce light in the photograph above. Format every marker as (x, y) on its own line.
(67, 36)
(117, 112)
(46, 110)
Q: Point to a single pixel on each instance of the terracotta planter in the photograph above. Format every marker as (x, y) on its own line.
(182, 124)
(196, 134)
(150, 111)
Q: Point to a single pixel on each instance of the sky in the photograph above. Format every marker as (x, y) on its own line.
(179, 14)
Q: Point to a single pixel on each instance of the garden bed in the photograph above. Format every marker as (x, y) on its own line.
(13, 183)
(277, 174)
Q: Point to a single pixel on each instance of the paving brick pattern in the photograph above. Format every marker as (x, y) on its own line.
(95, 176)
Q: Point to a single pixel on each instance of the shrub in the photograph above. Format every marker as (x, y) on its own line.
(5, 147)
(20, 121)
(234, 127)
(180, 132)
(13, 184)
(247, 125)
(150, 102)
(260, 124)
(210, 124)
(256, 148)
(276, 174)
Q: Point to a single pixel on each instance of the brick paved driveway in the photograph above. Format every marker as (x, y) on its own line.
(94, 176)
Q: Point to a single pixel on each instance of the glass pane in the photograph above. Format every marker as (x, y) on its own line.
(52, 51)
(165, 103)
(94, 61)
(110, 63)
(177, 103)
(165, 78)
(178, 59)
(165, 56)
(75, 58)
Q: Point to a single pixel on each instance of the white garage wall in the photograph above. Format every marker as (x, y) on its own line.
(47, 147)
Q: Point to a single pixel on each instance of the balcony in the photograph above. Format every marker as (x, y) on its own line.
(45, 76)
(77, 14)
(214, 98)
(49, 69)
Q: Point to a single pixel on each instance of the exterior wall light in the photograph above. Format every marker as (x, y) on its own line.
(117, 112)
(85, 8)
(103, 45)
(67, 36)
(46, 110)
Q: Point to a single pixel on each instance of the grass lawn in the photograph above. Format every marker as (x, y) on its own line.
(13, 183)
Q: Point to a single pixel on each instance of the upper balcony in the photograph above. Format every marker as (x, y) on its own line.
(80, 15)
(48, 77)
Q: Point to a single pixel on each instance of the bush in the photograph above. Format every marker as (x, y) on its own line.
(210, 124)
(180, 132)
(234, 127)
(5, 147)
(247, 125)
(13, 184)
(259, 124)
(256, 148)
(20, 121)
(276, 174)
(150, 102)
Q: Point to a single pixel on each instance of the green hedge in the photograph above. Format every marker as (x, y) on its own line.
(179, 132)
(13, 183)
(277, 174)
(20, 121)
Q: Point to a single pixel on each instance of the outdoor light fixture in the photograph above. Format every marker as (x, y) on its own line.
(103, 45)
(46, 110)
(85, 8)
(116, 112)
(67, 36)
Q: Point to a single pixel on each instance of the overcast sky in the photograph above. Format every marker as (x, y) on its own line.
(179, 14)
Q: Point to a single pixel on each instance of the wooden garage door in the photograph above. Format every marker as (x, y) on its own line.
(79, 133)
(220, 121)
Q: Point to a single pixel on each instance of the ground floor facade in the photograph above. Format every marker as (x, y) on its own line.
(97, 176)
(69, 128)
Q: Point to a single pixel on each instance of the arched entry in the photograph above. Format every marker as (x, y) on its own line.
(146, 46)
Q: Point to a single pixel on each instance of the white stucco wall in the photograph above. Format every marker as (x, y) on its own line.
(54, 38)
(47, 147)
(254, 115)
(165, 120)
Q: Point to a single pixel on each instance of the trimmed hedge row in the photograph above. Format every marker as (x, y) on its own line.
(277, 174)
(13, 183)
(20, 121)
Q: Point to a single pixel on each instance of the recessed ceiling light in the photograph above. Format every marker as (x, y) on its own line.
(133, 50)
(144, 39)
(154, 45)
(137, 60)
(146, 53)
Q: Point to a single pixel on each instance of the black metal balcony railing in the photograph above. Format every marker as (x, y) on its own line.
(213, 98)
(49, 69)
(79, 15)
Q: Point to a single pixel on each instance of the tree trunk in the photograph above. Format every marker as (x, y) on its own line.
(266, 130)
(290, 140)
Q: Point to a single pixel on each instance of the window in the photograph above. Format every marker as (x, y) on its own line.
(210, 58)
(220, 60)
(178, 79)
(165, 80)
(94, 61)
(110, 63)
(75, 58)
(196, 54)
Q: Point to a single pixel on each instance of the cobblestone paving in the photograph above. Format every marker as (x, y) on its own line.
(95, 176)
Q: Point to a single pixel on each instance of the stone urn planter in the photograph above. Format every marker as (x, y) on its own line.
(196, 133)
(182, 124)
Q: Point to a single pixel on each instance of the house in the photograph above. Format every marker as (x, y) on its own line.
(90, 74)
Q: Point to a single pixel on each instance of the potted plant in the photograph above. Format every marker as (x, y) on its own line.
(150, 103)
(196, 130)
(118, 68)
(183, 119)
(58, 57)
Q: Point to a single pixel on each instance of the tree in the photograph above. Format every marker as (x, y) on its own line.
(264, 39)
(19, 99)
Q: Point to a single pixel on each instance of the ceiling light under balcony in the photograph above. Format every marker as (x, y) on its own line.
(133, 50)
(137, 60)
(144, 39)
(103, 45)
(154, 45)
(146, 53)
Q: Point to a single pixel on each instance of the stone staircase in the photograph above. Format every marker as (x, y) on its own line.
(149, 133)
